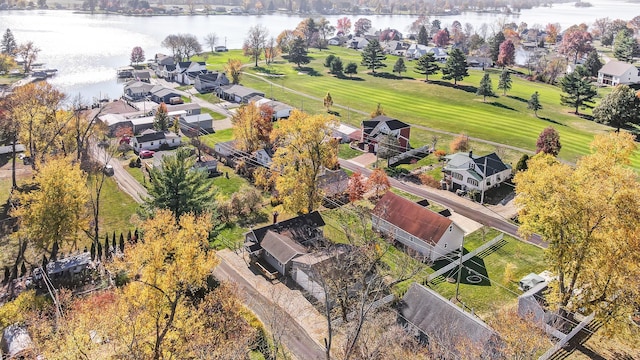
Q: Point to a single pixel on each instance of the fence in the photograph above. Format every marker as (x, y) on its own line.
(413, 153)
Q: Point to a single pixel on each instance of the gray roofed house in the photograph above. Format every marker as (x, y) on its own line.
(237, 93)
(210, 81)
(202, 123)
(431, 317)
(617, 72)
(135, 90)
(279, 250)
(8, 149)
(372, 129)
(142, 75)
(467, 171)
(164, 95)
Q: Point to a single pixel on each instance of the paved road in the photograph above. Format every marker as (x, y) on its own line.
(296, 339)
(464, 207)
(125, 181)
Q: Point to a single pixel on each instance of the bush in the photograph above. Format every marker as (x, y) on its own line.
(133, 163)
(165, 146)
(439, 154)
(275, 201)
(429, 180)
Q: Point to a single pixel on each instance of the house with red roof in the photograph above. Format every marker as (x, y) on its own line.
(373, 130)
(416, 227)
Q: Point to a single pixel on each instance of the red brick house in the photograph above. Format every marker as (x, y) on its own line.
(382, 125)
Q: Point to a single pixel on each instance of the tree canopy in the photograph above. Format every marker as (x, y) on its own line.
(485, 88)
(534, 103)
(619, 108)
(373, 56)
(298, 52)
(580, 91)
(504, 83)
(426, 65)
(456, 67)
(548, 142)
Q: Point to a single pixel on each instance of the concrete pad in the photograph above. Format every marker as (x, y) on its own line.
(467, 225)
(365, 159)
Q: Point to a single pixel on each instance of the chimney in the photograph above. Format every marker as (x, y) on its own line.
(275, 217)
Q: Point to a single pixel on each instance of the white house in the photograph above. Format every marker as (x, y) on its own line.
(617, 72)
(418, 228)
(154, 140)
(469, 172)
(343, 132)
(264, 157)
(415, 51)
(280, 110)
(185, 67)
(372, 130)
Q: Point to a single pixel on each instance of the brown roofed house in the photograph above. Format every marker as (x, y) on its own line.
(429, 233)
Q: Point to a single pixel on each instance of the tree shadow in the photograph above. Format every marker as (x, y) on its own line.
(333, 112)
(467, 88)
(309, 71)
(551, 121)
(500, 105)
(355, 78)
(386, 75)
(474, 271)
(518, 98)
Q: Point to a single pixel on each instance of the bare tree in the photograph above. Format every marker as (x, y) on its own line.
(29, 53)
(182, 46)
(211, 39)
(255, 42)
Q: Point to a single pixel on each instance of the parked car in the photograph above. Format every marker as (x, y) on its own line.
(146, 153)
(108, 170)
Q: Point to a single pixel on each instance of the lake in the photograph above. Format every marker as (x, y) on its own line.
(86, 49)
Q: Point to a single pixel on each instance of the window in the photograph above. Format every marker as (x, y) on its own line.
(152, 143)
(457, 176)
(472, 165)
(473, 182)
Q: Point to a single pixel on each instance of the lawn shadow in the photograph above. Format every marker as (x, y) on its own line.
(474, 271)
(500, 105)
(518, 98)
(551, 121)
(386, 75)
(467, 88)
(308, 71)
(333, 112)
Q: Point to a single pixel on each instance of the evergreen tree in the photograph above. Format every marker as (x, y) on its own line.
(625, 46)
(580, 91)
(121, 243)
(135, 236)
(298, 53)
(161, 120)
(593, 64)
(522, 163)
(494, 46)
(373, 56)
(93, 250)
(423, 36)
(129, 236)
(336, 66)
(426, 65)
(534, 103)
(619, 108)
(485, 89)
(328, 60)
(9, 45)
(113, 242)
(456, 67)
(99, 252)
(351, 69)
(107, 253)
(178, 187)
(399, 66)
(23, 269)
(504, 83)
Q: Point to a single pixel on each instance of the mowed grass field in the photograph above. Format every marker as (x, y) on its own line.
(438, 104)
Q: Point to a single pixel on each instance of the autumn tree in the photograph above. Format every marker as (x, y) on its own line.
(580, 91)
(460, 143)
(378, 181)
(176, 186)
(285, 40)
(548, 142)
(28, 52)
(35, 109)
(485, 88)
(255, 42)
(298, 52)
(361, 26)
(534, 103)
(271, 50)
(494, 45)
(521, 337)
(426, 65)
(343, 26)
(399, 67)
(456, 67)
(356, 187)
(251, 129)
(373, 56)
(137, 55)
(507, 55)
(588, 216)
(575, 43)
(441, 38)
(504, 83)
(54, 213)
(161, 121)
(327, 101)
(619, 108)
(233, 68)
(7, 63)
(378, 111)
(301, 156)
(389, 146)
(211, 39)
(166, 268)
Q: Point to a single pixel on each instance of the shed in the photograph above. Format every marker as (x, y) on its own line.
(530, 281)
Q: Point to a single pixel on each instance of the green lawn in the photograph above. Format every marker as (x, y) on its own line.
(215, 115)
(116, 209)
(210, 97)
(218, 136)
(216, 60)
(226, 187)
(136, 173)
(439, 105)
(346, 152)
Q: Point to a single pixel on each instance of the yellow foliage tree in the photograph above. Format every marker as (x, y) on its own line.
(250, 128)
(233, 68)
(589, 217)
(171, 262)
(55, 212)
(303, 153)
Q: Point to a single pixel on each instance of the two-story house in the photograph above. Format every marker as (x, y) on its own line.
(466, 171)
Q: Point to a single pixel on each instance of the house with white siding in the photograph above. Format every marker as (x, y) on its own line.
(153, 140)
(430, 234)
(617, 72)
(466, 171)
